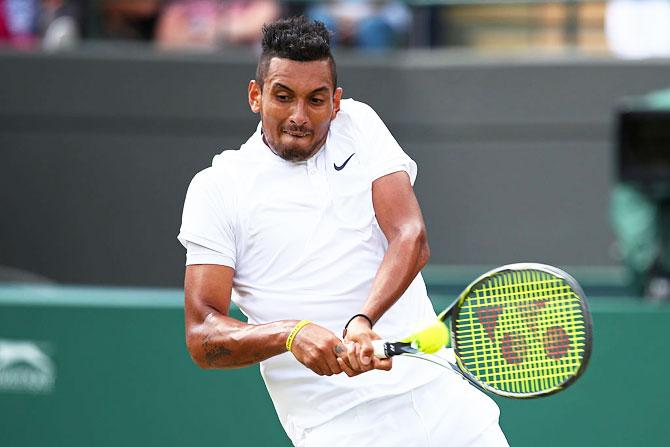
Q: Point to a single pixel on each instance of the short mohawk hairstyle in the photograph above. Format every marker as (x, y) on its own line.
(297, 39)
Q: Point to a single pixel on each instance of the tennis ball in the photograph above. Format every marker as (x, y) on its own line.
(431, 338)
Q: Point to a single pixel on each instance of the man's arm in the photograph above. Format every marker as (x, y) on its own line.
(400, 219)
(216, 340)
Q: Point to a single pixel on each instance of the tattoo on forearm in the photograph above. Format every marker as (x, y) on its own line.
(213, 352)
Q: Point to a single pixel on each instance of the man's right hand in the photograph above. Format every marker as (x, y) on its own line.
(316, 348)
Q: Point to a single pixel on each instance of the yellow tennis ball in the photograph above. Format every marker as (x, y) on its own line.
(431, 338)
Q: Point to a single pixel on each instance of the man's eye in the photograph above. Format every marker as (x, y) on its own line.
(282, 97)
(317, 101)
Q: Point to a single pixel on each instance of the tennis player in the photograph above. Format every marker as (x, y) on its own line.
(311, 228)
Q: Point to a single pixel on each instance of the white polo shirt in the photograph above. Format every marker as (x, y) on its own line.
(305, 244)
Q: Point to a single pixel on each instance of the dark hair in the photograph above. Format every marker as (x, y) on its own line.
(297, 39)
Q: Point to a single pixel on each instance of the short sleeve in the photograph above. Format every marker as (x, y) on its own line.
(197, 254)
(384, 154)
(208, 219)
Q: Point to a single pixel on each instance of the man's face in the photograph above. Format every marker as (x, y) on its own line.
(297, 104)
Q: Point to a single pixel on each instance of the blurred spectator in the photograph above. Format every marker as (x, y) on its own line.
(364, 24)
(4, 30)
(131, 19)
(18, 23)
(208, 24)
(59, 24)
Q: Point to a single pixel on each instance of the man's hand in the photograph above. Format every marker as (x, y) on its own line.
(316, 348)
(359, 356)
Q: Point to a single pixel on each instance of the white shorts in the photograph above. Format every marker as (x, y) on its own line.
(424, 417)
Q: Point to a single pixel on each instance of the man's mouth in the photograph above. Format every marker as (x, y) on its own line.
(296, 133)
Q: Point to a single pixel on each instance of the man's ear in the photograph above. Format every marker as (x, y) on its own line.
(336, 102)
(255, 95)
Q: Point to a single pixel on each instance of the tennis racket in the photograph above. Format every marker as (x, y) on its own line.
(519, 331)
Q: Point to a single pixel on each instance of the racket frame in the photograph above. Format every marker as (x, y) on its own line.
(454, 308)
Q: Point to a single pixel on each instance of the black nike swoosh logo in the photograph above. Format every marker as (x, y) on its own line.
(339, 168)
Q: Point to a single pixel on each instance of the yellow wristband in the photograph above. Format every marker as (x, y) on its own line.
(294, 332)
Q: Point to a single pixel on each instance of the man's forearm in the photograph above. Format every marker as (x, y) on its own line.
(407, 254)
(223, 342)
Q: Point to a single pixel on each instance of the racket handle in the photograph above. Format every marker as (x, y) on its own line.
(384, 349)
(379, 347)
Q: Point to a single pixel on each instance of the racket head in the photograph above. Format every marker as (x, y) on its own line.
(522, 330)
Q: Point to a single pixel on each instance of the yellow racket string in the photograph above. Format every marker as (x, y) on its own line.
(521, 332)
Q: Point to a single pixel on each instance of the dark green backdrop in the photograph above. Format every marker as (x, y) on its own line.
(98, 149)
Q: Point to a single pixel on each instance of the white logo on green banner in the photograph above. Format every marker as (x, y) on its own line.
(26, 367)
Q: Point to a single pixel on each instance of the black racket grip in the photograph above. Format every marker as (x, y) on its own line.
(384, 349)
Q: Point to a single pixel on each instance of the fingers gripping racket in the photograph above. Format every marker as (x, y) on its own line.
(520, 331)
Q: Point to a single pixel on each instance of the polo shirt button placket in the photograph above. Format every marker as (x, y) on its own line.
(311, 169)
(316, 177)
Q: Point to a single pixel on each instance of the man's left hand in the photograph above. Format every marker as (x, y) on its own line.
(358, 356)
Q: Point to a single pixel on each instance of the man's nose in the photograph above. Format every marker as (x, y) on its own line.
(299, 113)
